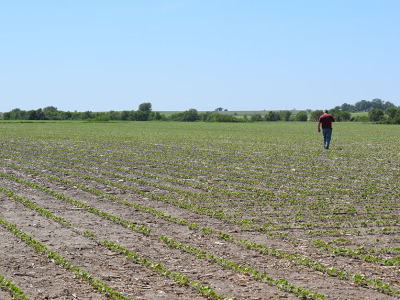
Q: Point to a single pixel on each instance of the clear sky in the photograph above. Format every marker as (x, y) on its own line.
(240, 55)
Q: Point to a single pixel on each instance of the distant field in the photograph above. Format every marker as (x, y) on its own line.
(364, 113)
(171, 210)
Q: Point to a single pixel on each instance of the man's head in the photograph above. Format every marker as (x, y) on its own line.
(326, 111)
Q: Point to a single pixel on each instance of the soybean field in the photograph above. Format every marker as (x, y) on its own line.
(164, 210)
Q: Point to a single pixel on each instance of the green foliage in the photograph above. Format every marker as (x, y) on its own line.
(87, 115)
(12, 289)
(256, 118)
(217, 117)
(275, 116)
(376, 115)
(16, 114)
(285, 115)
(345, 116)
(145, 113)
(190, 115)
(140, 115)
(61, 261)
(145, 107)
(339, 115)
(155, 116)
(301, 116)
(37, 115)
(393, 115)
(314, 116)
(365, 105)
(225, 118)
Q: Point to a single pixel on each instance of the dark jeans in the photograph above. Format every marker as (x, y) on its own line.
(327, 132)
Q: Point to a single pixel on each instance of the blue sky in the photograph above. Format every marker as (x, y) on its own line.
(240, 55)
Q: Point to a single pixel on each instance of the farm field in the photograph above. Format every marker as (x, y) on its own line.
(144, 210)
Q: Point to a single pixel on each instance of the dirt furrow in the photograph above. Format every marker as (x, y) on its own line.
(35, 274)
(274, 267)
(103, 263)
(126, 277)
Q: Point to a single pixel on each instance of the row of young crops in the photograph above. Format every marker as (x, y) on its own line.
(187, 211)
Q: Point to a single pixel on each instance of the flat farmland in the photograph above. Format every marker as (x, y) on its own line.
(144, 210)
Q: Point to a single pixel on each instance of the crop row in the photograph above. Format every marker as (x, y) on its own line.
(376, 283)
(12, 289)
(384, 230)
(59, 260)
(149, 155)
(203, 290)
(323, 186)
(180, 278)
(386, 221)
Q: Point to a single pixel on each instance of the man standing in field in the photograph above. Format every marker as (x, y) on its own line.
(326, 119)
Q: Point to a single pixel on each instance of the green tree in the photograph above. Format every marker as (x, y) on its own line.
(377, 103)
(125, 115)
(153, 116)
(206, 116)
(66, 115)
(302, 116)
(347, 107)
(190, 115)
(16, 114)
(392, 112)
(345, 116)
(285, 115)
(51, 113)
(388, 105)
(114, 115)
(256, 118)
(36, 114)
(376, 115)
(363, 105)
(140, 115)
(314, 116)
(87, 115)
(339, 115)
(32, 115)
(40, 114)
(225, 118)
(272, 116)
(145, 107)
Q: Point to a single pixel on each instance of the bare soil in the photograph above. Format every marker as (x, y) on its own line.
(41, 279)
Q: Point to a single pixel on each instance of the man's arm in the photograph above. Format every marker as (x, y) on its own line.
(319, 123)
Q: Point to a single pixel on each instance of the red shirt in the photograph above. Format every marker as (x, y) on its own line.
(326, 120)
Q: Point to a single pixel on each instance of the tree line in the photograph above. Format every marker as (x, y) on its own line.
(366, 106)
(379, 111)
(388, 114)
(145, 113)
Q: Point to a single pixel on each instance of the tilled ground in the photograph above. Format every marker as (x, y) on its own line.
(40, 278)
(203, 249)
